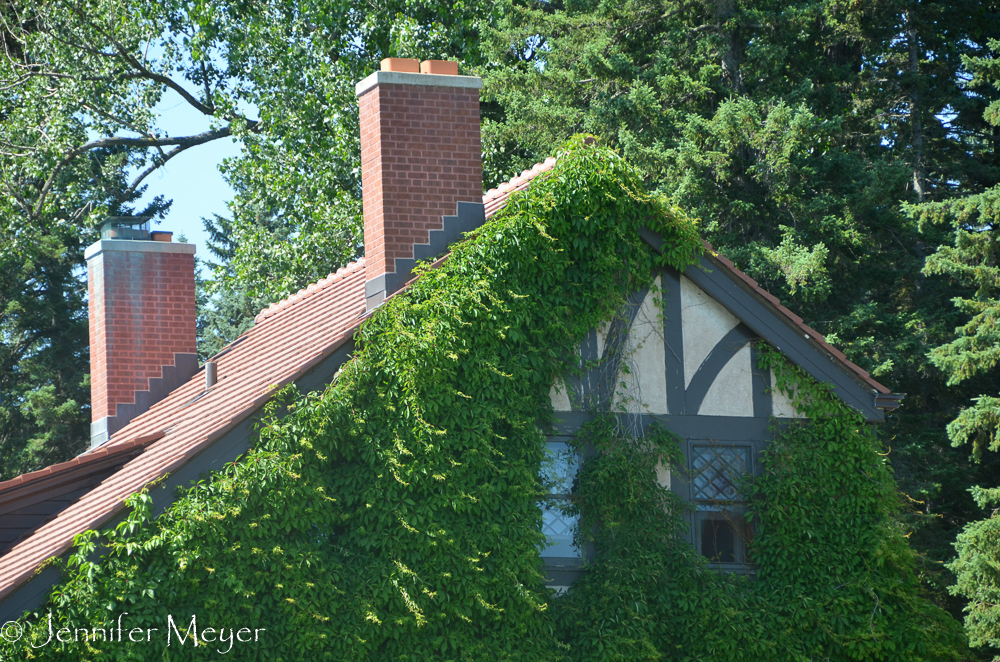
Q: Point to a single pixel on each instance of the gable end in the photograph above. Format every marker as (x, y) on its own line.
(803, 346)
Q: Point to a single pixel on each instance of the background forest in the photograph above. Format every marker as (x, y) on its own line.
(844, 154)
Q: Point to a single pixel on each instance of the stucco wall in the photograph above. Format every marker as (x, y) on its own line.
(711, 344)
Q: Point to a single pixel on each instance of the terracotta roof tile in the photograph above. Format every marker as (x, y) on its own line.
(8, 487)
(29, 501)
(288, 340)
(310, 289)
(496, 198)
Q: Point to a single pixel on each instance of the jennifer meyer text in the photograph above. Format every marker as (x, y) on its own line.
(170, 634)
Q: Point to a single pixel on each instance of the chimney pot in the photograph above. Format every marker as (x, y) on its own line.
(439, 67)
(210, 375)
(401, 64)
(418, 161)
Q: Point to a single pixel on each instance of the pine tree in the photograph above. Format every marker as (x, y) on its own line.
(970, 261)
(797, 133)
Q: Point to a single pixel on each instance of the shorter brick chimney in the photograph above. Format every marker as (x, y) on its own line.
(142, 322)
(421, 159)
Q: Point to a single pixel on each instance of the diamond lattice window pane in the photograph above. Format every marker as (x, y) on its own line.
(717, 469)
(558, 471)
(558, 530)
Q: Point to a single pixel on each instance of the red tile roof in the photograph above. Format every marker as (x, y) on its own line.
(10, 488)
(30, 500)
(289, 339)
(496, 198)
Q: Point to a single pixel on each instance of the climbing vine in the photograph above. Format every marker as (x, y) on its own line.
(833, 576)
(394, 516)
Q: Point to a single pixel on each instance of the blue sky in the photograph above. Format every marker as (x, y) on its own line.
(191, 179)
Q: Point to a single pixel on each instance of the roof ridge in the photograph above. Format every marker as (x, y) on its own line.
(309, 290)
(519, 180)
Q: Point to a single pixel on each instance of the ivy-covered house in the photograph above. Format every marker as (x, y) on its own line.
(576, 314)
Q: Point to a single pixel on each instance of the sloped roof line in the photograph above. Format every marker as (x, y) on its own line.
(80, 460)
(289, 338)
(296, 337)
(309, 290)
(496, 199)
(807, 330)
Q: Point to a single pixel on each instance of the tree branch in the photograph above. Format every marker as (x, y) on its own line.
(124, 141)
(140, 68)
(151, 169)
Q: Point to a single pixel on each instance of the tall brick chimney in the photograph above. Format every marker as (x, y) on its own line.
(142, 322)
(421, 159)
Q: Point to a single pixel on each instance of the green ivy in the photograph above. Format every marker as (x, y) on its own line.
(394, 516)
(834, 575)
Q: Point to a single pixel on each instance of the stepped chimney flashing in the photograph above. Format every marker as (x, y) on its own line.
(421, 166)
(142, 324)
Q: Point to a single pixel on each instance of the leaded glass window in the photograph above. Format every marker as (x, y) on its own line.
(721, 532)
(558, 471)
(717, 471)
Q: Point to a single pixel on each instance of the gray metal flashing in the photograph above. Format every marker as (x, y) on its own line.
(136, 246)
(468, 217)
(715, 280)
(99, 431)
(376, 285)
(171, 377)
(227, 448)
(428, 80)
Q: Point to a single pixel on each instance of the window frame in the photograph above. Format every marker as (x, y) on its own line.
(562, 571)
(683, 485)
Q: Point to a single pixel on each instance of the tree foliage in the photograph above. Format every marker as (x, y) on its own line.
(798, 132)
(395, 516)
(970, 261)
(80, 135)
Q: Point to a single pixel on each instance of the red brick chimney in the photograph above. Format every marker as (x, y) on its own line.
(420, 160)
(142, 322)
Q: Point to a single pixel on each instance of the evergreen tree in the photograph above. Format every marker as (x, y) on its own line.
(970, 262)
(225, 310)
(797, 133)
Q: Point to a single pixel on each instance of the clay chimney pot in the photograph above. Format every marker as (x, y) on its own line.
(439, 67)
(402, 64)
